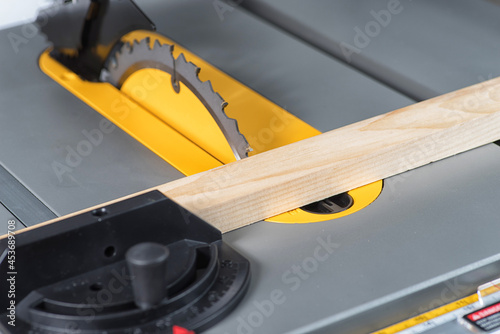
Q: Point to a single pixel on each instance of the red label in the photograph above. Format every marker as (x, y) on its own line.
(181, 330)
(481, 314)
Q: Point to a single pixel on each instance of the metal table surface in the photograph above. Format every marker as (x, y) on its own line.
(432, 235)
(5, 217)
(422, 48)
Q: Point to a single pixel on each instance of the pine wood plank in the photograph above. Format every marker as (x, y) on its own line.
(291, 176)
(276, 181)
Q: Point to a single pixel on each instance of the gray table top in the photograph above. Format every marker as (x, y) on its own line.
(422, 48)
(432, 230)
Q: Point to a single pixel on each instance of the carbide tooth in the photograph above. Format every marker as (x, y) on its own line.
(196, 68)
(222, 102)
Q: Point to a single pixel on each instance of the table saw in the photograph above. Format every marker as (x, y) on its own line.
(371, 260)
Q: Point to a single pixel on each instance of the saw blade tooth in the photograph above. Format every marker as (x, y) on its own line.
(143, 46)
(123, 50)
(223, 103)
(181, 62)
(188, 70)
(167, 50)
(189, 64)
(157, 44)
(113, 63)
(146, 42)
(196, 69)
(116, 58)
(208, 86)
(182, 58)
(126, 49)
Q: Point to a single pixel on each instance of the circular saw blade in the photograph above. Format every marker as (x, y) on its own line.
(139, 55)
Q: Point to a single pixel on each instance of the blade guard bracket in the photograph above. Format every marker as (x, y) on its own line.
(84, 33)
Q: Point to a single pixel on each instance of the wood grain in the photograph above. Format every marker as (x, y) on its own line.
(291, 176)
(276, 181)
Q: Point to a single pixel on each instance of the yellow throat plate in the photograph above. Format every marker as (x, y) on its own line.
(178, 128)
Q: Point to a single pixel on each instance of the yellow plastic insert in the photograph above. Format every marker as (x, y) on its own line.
(178, 128)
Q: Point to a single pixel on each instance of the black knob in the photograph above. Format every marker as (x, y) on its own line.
(147, 263)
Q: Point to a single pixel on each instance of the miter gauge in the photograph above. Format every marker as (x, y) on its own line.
(143, 265)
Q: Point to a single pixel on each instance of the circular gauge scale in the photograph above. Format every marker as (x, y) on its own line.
(143, 265)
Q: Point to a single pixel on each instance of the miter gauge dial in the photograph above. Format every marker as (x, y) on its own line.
(132, 57)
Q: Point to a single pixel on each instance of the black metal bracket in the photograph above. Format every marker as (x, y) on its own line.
(85, 32)
(142, 265)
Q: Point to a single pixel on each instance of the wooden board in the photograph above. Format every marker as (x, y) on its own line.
(291, 176)
(294, 175)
